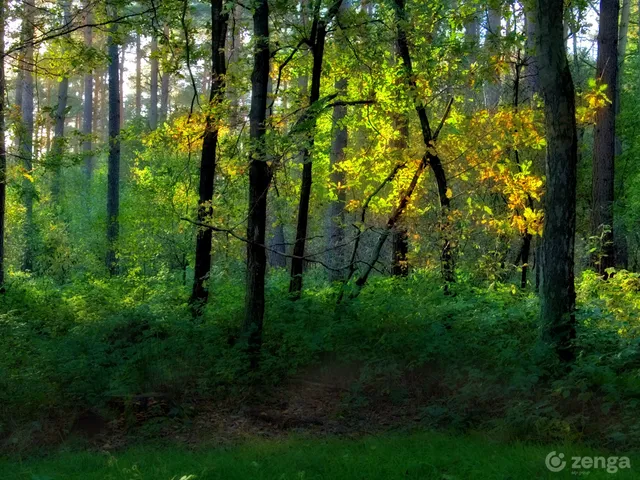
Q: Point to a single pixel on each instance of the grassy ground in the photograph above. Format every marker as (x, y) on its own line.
(417, 456)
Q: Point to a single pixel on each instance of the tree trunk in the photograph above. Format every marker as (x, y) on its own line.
(153, 100)
(494, 32)
(204, 237)
(3, 153)
(122, 55)
(317, 40)
(26, 149)
(164, 91)
(138, 77)
(431, 155)
(113, 176)
(335, 257)
(557, 289)
(259, 180)
(87, 115)
(400, 238)
(620, 244)
(604, 138)
(58, 148)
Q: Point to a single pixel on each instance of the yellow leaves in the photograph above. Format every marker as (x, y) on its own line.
(590, 101)
(449, 193)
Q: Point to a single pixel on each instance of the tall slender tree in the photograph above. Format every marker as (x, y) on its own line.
(259, 181)
(3, 152)
(316, 43)
(87, 112)
(113, 175)
(57, 150)
(153, 94)
(26, 131)
(604, 148)
(557, 289)
(220, 19)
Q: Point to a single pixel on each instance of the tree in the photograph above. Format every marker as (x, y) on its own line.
(316, 43)
(26, 133)
(3, 152)
(87, 115)
(57, 150)
(153, 98)
(259, 180)
(557, 290)
(604, 148)
(138, 76)
(113, 177)
(220, 19)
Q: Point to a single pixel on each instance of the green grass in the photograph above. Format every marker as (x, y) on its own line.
(416, 456)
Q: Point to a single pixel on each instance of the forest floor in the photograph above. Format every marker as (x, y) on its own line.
(317, 425)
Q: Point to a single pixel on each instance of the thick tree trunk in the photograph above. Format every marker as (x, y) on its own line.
(557, 289)
(604, 138)
(259, 180)
(138, 77)
(26, 148)
(113, 176)
(318, 37)
(87, 115)
(153, 100)
(335, 257)
(58, 148)
(204, 237)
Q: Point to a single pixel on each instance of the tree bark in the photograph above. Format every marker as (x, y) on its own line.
(604, 138)
(317, 42)
(138, 76)
(259, 181)
(122, 53)
(494, 32)
(153, 100)
(208, 161)
(3, 152)
(26, 148)
(557, 289)
(431, 155)
(113, 175)
(57, 150)
(335, 222)
(164, 90)
(87, 115)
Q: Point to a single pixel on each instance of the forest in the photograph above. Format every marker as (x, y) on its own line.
(334, 239)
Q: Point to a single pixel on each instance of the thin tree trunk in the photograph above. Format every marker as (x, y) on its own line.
(318, 37)
(164, 91)
(113, 176)
(620, 233)
(26, 149)
(204, 237)
(557, 289)
(122, 54)
(494, 27)
(259, 180)
(400, 238)
(604, 138)
(3, 153)
(138, 77)
(431, 155)
(87, 115)
(58, 148)
(153, 100)
(335, 221)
